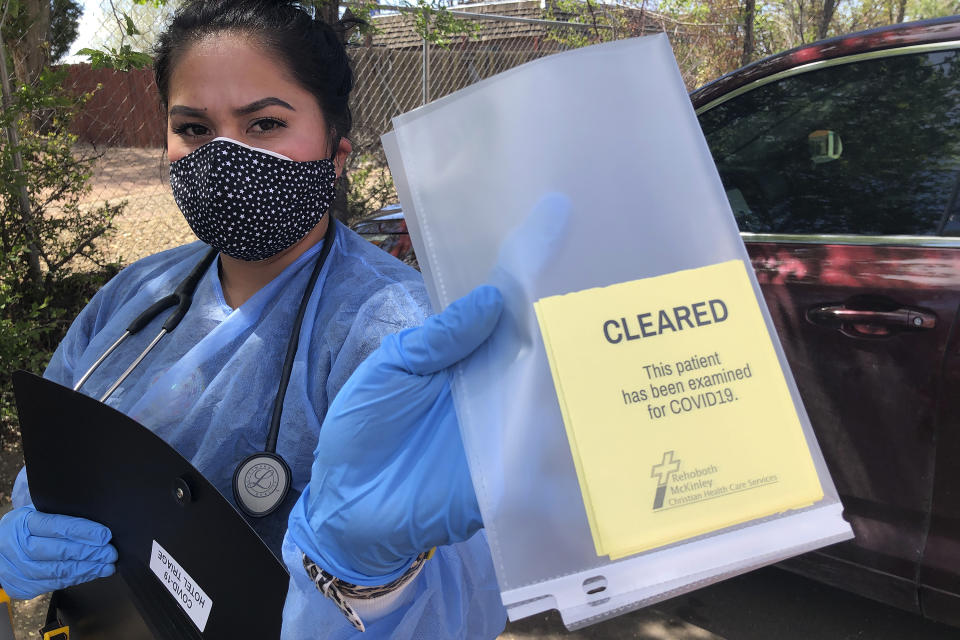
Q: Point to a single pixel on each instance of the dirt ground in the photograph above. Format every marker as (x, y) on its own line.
(151, 221)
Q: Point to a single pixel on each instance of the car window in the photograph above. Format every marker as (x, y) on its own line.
(865, 148)
(381, 226)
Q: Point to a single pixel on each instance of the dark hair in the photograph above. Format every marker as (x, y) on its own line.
(310, 48)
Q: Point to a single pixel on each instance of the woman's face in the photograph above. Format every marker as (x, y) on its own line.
(226, 85)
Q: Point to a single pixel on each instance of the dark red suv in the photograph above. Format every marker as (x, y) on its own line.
(841, 161)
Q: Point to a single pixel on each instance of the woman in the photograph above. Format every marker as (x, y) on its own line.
(256, 98)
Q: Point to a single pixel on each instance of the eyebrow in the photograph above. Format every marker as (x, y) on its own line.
(180, 110)
(253, 107)
(260, 104)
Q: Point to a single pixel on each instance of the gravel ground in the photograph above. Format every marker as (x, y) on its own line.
(151, 221)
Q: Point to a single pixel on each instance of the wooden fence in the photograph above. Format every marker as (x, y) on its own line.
(124, 110)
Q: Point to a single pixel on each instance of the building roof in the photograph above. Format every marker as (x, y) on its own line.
(396, 30)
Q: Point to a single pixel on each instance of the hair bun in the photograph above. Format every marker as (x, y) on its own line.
(348, 22)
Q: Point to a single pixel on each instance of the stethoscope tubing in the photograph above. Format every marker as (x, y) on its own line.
(133, 365)
(274, 433)
(100, 360)
(182, 297)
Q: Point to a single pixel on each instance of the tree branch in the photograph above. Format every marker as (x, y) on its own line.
(84, 243)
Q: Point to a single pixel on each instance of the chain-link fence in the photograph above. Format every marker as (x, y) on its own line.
(119, 126)
(404, 65)
(123, 125)
(409, 59)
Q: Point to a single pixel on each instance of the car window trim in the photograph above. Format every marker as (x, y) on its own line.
(833, 62)
(943, 242)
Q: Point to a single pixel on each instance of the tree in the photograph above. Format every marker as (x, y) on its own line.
(749, 15)
(45, 229)
(920, 9)
(37, 32)
(804, 20)
(26, 31)
(43, 184)
(64, 21)
(713, 37)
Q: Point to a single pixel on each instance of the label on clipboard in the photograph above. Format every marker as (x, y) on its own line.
(184, 589)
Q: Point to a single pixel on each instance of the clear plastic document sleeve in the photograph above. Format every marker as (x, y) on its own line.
(570, 175)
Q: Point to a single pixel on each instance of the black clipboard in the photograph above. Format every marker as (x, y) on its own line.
(86, 459)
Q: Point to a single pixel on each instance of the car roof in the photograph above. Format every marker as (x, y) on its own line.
(396, 215)
(389, 212)
(894, 36)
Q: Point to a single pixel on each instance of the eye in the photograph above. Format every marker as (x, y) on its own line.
(191, 130)
(263, 125)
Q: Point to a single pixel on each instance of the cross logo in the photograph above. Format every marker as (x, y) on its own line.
(662, 473)
(663, 470)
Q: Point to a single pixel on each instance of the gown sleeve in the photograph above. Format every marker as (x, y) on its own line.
(455, 595)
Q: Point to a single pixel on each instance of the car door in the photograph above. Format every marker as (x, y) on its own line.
(940, 569)
(843, 177)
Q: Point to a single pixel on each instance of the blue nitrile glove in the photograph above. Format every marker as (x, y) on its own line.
(42, 552)
(390, 477)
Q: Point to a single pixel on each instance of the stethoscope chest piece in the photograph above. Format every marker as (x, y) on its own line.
(260, 483)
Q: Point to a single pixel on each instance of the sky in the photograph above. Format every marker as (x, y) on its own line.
(89, 23)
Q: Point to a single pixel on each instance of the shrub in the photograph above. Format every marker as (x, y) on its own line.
(49, 262)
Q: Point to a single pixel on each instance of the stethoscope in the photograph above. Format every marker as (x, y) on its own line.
(262, 480)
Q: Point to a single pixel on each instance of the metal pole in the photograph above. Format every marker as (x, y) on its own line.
(425, 94)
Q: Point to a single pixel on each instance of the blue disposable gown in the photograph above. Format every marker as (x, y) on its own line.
(208, 390)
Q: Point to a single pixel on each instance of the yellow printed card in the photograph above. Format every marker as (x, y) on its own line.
(675, 405)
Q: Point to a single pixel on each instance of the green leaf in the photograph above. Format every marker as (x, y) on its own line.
(131, 28)
(139, 60)
(97, 58)
(123, 59)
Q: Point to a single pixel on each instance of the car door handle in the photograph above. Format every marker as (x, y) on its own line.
(904, 318)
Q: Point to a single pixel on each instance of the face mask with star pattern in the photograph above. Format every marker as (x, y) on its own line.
(250, 203)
